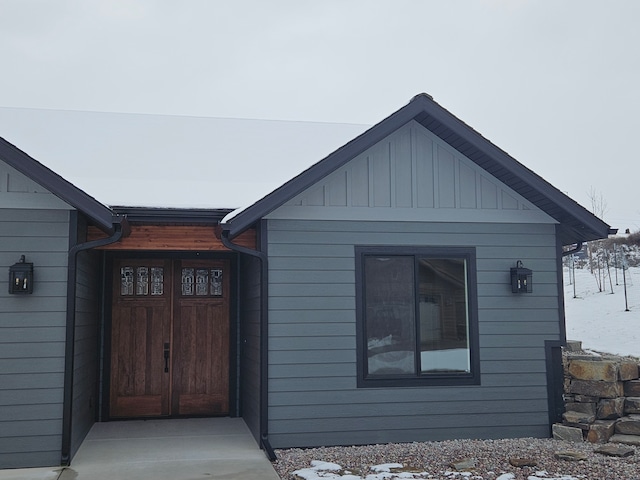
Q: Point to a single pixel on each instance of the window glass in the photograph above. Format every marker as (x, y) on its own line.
(390, 315)
(444, 322)
(417, 318)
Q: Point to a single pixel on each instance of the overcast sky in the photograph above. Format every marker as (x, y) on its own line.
(554, 83)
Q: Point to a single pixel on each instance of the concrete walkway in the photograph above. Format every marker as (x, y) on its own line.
(180, 449)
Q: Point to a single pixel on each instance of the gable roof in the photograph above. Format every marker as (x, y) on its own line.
(102, 216)
(576, 223)
(171, 161)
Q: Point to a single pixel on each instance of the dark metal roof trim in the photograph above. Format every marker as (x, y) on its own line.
(576, 222)
(148, 215)
(101, 215)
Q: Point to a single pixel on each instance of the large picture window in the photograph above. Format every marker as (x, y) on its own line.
(417, 316)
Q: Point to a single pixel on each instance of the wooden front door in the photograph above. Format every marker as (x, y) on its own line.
(170, 338)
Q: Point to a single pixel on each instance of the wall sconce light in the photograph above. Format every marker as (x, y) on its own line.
(21, 277)
(521, 279)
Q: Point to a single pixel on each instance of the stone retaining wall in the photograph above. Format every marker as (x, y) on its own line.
(602, 398)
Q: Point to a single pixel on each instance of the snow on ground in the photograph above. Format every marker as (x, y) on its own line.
(599, 319)
(332, 471)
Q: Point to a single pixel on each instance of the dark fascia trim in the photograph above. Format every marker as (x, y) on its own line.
(423, 108)
(505, 161)
(190, 216)
(102, 216)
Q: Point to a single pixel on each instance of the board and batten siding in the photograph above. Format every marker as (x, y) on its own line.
(313, 398)
(32, 330)
(411, 175)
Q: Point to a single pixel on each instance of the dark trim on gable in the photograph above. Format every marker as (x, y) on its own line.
(577, 224)
(102, 216)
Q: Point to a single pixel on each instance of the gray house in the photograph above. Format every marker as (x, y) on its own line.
(406, 287)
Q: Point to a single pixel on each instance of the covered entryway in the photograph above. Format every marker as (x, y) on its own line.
(170, 334)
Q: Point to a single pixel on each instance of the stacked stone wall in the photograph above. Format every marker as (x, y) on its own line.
(602, 399)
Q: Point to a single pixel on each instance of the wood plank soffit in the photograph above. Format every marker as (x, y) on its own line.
(172, 237)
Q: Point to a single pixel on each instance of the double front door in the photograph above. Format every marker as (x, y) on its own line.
(169, 338)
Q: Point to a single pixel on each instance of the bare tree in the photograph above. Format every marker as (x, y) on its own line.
(598, 204)
(598, 208)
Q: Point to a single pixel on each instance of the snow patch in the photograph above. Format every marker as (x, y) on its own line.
(599, 319)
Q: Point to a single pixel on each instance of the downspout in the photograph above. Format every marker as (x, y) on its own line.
(120, 229)
(577, 248)
(264, 338)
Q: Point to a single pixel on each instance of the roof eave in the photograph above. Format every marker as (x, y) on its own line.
(578, 223)
(593, 227)
(102, 216)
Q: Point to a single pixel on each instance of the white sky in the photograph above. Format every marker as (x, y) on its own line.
(554, 83)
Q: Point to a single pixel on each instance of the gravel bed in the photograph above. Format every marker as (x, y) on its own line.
(490, 460)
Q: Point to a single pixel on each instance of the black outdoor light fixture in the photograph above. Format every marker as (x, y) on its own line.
(21, 277)
(521, 279)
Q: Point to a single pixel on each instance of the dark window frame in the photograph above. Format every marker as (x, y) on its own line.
(418, 379)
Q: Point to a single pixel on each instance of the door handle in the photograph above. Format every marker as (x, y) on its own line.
(166, 357)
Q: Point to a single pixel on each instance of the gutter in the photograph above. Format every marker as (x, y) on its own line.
(264, 336)
(121, 229)
(576, 249)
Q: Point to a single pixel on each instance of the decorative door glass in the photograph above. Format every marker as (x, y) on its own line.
(187, 281)
(202, 282)
(216, 282)
(134, 281)
(126, 281)
(157, 281)
(142, 281)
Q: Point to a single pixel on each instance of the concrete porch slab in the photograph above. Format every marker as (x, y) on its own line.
(171, 449)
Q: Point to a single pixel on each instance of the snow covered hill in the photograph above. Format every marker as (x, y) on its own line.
(599, 319)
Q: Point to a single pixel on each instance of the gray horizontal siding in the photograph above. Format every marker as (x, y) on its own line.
(434, 395)
(85, 362)
(32, 336)
(250, 318)
(313, 395)
(405, 410)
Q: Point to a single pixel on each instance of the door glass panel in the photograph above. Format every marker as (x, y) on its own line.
(202, 282)
(157, 281)
(142, 281)
(187, 281)
(216, 282)
(126, 281)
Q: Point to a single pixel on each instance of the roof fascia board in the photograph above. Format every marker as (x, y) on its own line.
(532, 179)
(172, 215)
(61, 188)
(419, 106)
